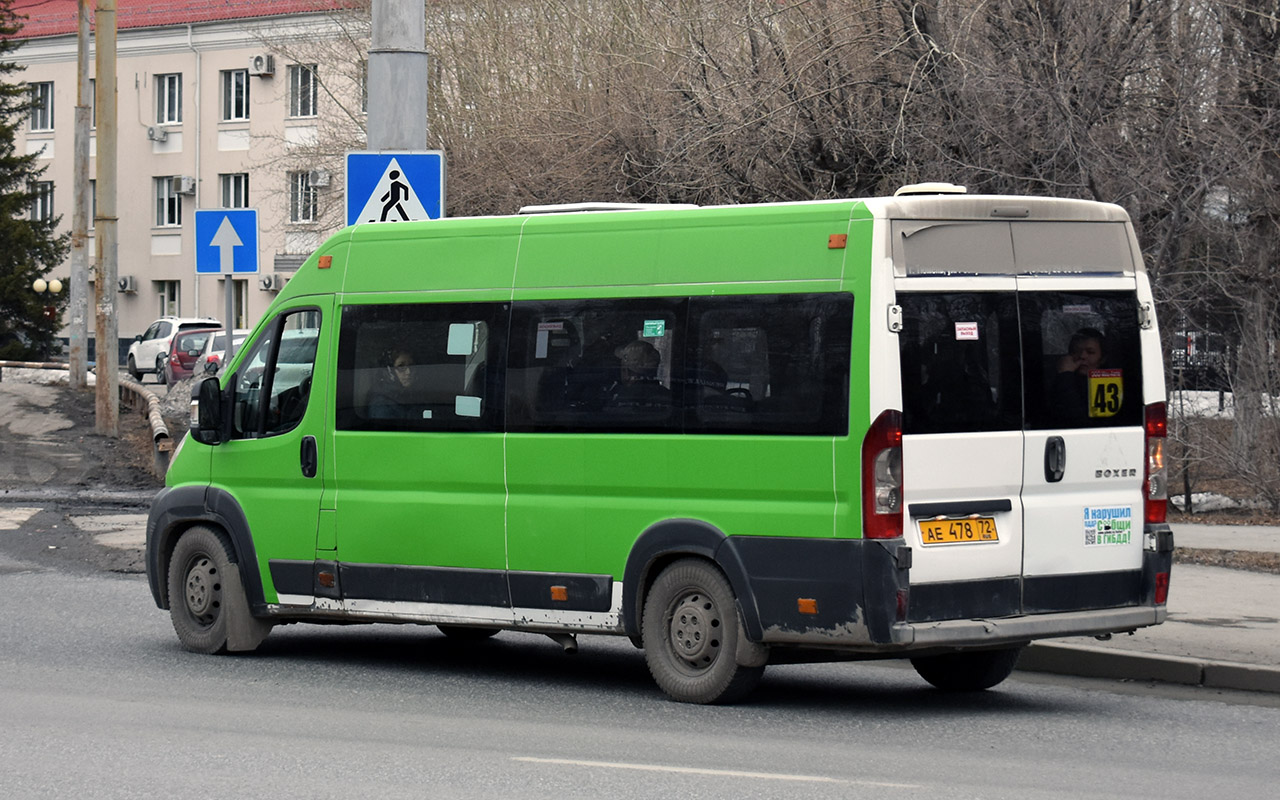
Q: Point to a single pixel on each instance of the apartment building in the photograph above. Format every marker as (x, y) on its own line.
(221, 104)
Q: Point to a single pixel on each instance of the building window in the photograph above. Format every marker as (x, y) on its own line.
(168, 203)
(92, 99)
(235, 94)
(302, 90)
(240, 304)
(42, 201)
(235, 189)
(364, 86)
(170, 298)
(169, 98)
(42, 106)
(302, 198)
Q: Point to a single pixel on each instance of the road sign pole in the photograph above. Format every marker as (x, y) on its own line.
(231, 323)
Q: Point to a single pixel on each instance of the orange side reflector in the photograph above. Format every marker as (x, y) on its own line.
(837, 241)
(326, 262)
(559, 593)
(806, 605)
(325, 579)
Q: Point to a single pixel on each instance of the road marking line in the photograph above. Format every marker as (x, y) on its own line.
(772, 776)
(12, 518)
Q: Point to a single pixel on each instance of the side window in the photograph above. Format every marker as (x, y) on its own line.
(1082, 358)
(420, 367)
(776, 364)
(153, 332)
(595, 365)
(273, 384)
(959, 356)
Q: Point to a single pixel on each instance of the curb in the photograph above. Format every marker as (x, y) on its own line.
(1101, 662)
(85, 497)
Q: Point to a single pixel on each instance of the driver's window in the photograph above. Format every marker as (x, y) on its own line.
(273, 382)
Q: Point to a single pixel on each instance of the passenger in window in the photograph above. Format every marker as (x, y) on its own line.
(638, 384)
(1069, 392)
(713, 392)
(394, 396)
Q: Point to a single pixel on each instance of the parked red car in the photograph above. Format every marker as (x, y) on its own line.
(183, 352)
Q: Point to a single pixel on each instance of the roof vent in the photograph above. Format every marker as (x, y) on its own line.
(930, 188)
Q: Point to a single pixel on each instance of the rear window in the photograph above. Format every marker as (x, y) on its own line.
(994, 361)
(961, 370)
(1083, 359)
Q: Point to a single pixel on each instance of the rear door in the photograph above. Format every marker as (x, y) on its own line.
(962, 444)
(1082, 485)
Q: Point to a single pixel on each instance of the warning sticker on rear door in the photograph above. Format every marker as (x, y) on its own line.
(1108, 525)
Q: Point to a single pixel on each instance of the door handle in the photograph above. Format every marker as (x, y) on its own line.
(310, 456)
(1055, 459)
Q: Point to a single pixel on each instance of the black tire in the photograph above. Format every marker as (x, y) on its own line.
(160, 369)
(690, 634)
(197, 607)
(967, 672)
(133, 369)
(467, 633)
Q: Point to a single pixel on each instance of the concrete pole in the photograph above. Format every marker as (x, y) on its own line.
(398, 76)
(78, 330)
(104, 288)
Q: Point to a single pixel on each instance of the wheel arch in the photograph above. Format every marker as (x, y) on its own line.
(176, 510)
(670, 540)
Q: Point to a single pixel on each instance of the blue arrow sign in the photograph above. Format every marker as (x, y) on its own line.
(226, 241)
(394, 186)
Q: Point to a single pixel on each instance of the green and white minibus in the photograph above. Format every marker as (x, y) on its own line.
(926, 426)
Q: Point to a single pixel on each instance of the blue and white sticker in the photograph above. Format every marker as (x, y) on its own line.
(1108, 525)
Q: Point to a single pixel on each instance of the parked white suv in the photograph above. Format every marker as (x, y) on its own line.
(150, 349)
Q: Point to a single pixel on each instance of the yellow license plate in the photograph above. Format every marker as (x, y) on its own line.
(958, 531)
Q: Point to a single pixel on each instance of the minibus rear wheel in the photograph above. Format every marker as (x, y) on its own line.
(690, 632)
(970, 671)
(198, 590)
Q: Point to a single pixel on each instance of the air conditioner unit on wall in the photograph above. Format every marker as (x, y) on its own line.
(157, 134)
(318, 178)
(184, 184)
(262, 65)
(271, 282)
(127, 283)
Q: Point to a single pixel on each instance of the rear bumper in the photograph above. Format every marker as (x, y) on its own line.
(857, 596)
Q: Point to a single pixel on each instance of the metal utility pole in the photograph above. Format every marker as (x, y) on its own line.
(398, 76)
(79, 328)
(104, 288)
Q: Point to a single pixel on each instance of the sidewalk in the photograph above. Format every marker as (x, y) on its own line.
(1223, 629)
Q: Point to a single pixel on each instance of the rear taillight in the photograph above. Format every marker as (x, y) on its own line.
(882, 477)
(173, 359)
(1155, 486)
(1162, 588)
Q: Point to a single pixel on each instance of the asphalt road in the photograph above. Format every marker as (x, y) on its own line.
(97, 700)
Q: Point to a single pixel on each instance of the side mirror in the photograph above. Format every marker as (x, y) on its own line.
(137, 338)
(211, 367)
(206, 412)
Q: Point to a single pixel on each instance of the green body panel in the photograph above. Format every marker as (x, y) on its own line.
(763, 244)
(578, 502)
(432, 500)
(847, 455)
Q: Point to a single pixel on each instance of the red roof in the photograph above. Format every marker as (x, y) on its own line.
(58, 17)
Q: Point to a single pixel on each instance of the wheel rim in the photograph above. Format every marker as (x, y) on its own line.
(202, 591)
(695, 630)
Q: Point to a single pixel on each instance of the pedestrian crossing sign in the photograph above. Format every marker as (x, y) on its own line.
(394, 186)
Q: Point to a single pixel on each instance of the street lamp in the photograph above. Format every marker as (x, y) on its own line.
(52, 287)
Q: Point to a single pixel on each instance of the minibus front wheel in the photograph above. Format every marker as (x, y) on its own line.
(207, 603)
(690, 631)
